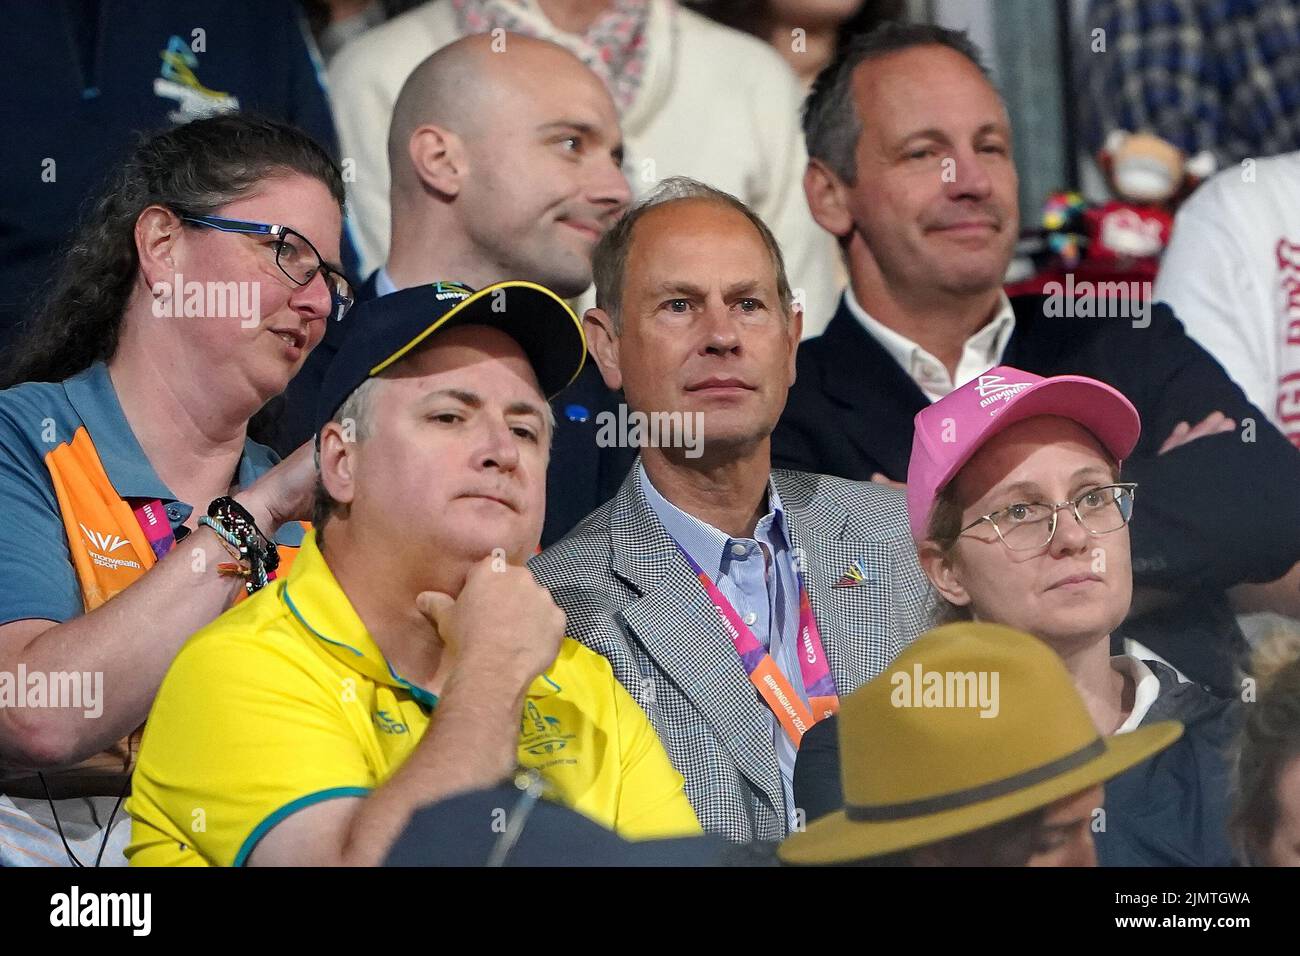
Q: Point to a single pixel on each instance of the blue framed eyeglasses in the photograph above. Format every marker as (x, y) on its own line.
(297, 258)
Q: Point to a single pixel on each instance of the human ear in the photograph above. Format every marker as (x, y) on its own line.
(336, 460)
(157, 236)
(943, 573)
(828, 199)
(439, 159)
(603, 343)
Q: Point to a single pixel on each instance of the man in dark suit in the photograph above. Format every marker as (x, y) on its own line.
(504, 166)
(733, 601)
(918, 182)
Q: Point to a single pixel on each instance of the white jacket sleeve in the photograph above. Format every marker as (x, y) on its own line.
(812, 258)
(362, 93)
(1215, 289)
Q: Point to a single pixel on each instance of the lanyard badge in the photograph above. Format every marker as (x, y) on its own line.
(157, 529)
(794, 716)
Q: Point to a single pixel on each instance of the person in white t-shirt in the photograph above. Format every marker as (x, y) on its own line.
(1232, 274)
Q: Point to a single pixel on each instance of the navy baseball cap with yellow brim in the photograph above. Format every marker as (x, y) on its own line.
(383, 331)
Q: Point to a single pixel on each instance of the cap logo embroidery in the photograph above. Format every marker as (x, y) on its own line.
(995, 388)
(450, 290)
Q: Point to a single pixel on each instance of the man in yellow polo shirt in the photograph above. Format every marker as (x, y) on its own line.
(408, 656)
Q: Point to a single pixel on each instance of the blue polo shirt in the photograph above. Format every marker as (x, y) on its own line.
(36, 567)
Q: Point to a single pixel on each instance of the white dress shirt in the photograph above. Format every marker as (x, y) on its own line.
(982, 351)
(1147, 689)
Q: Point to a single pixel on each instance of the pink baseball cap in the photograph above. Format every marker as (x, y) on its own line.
(952, 429)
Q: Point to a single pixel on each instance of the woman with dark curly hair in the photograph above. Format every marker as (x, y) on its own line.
(191, 295)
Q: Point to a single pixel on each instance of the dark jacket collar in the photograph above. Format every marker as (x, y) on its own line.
(858, 370)
(1039, 342)
(1179, 700)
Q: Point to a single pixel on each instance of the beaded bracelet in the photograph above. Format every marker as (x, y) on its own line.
(232, 522)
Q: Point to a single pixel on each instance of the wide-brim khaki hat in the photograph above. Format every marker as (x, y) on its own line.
(920, 764)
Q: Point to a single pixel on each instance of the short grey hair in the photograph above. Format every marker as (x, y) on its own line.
(831, 124)
(609, 261)
(356, 409)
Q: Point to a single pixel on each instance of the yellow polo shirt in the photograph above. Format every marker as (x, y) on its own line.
(285, 701)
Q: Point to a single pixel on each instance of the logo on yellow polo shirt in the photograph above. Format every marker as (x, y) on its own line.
(539, 734)
(387, 724)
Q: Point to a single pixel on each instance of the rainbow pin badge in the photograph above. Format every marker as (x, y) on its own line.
(852, 577)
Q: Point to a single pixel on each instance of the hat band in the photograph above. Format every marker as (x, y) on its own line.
(985, 791)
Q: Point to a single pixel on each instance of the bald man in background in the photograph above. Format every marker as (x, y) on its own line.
(505, 164)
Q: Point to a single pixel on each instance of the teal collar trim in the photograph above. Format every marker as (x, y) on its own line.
(91, 393)
(419, 694)
(422, 697)
(305, 623)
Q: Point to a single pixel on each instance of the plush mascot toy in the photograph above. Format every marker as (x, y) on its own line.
(1149, 177)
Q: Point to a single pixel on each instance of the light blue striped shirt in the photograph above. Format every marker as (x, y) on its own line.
(757, 576)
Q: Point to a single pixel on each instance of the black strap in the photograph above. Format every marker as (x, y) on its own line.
(971, 795)
(108, 828)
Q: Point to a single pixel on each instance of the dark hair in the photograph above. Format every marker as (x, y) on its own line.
(609, 260)
(831, 123)
(199, 167)
(1269, 740)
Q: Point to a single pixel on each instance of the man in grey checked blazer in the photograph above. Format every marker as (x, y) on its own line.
(694, 314)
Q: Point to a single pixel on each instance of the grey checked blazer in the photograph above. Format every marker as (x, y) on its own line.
(628, 595)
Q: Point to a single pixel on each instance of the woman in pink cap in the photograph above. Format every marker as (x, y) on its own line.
(1021, 518)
